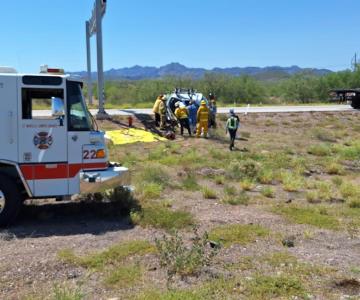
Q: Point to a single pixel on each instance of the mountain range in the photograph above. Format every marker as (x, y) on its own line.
(179, 70)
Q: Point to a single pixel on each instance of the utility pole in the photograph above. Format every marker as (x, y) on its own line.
(354, 63)
(95, 27)
(88, 55)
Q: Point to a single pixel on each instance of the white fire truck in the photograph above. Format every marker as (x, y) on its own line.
(47, 155)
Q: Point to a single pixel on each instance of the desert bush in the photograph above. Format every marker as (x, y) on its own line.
(118, 201)
(325, 191)
(153, 173)
(291, 182)
(349, 190)
(247, 185)
(208, 193)
(219, 179)
(230, 191)
(313, 197)
(320, 150)
(179, 259)
(190, 183)
(337, 180)
(268, 192)
(245, 169)
(241, 199)
(354, 203)
(334, 169)
(324, 135)
(67, 293)
(266, 176)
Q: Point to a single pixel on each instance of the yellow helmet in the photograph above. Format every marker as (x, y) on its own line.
(203, 102)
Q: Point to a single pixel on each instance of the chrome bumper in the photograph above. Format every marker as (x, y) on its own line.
(114, 175)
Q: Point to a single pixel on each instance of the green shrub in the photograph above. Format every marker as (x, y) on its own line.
(208, 193)
(66, 293)
(118, 201)
(162, 217)
(177, 258)
(334, 169)
(313, 197)
(306, 215)
(241, 199)
(349, 190)
(355, 203)
(243, 169)
(325, 191)
(153, 173)
(230, 190)
(337, 180)
(151, 190)
(247, 185)
(124, 276)
(238, 234)
(271, 287)
(268, 192)
(291, 183)
(219, 180)
(351, 151)
(190, 183)
(266, 176)
(320, 150)
(114, 255)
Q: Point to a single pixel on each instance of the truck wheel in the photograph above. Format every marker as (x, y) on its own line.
(10, 200)
(355, 105)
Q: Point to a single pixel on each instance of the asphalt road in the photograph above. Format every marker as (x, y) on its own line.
(239, 110)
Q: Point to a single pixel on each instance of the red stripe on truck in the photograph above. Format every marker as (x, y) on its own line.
(57, 171)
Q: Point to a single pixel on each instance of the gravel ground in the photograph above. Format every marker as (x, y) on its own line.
(29, 264)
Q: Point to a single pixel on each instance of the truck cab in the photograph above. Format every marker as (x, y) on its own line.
(347, 95)
(50, 142)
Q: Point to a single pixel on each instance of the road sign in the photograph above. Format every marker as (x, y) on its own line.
(94, 26)
(92, 21)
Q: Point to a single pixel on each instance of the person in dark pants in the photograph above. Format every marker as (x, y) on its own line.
(182, 115)
(232, 126)
(156, 110)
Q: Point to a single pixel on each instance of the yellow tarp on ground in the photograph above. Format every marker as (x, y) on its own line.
(132, 135)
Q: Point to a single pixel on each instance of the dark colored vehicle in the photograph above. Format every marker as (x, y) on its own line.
(347, 95)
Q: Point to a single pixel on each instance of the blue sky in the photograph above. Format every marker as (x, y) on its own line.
(197, 33)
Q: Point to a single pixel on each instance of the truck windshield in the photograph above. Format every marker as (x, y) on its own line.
(79, 117)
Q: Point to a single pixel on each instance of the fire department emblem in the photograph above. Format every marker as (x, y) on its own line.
(43, 140)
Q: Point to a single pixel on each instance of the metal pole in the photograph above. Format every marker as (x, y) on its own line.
(88, 56)
(100, 69)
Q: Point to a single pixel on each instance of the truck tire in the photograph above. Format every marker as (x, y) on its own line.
(355, 104)
(10, 200)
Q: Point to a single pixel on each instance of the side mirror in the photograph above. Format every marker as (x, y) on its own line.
(57, 107)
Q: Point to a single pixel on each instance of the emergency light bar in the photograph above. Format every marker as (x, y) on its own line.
(46, 70)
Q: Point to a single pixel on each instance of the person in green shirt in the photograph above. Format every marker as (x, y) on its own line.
(232, 125)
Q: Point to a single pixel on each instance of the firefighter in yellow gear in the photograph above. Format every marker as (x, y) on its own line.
(202, 119)
(156, 110)
(162, 111)
(182, 114)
